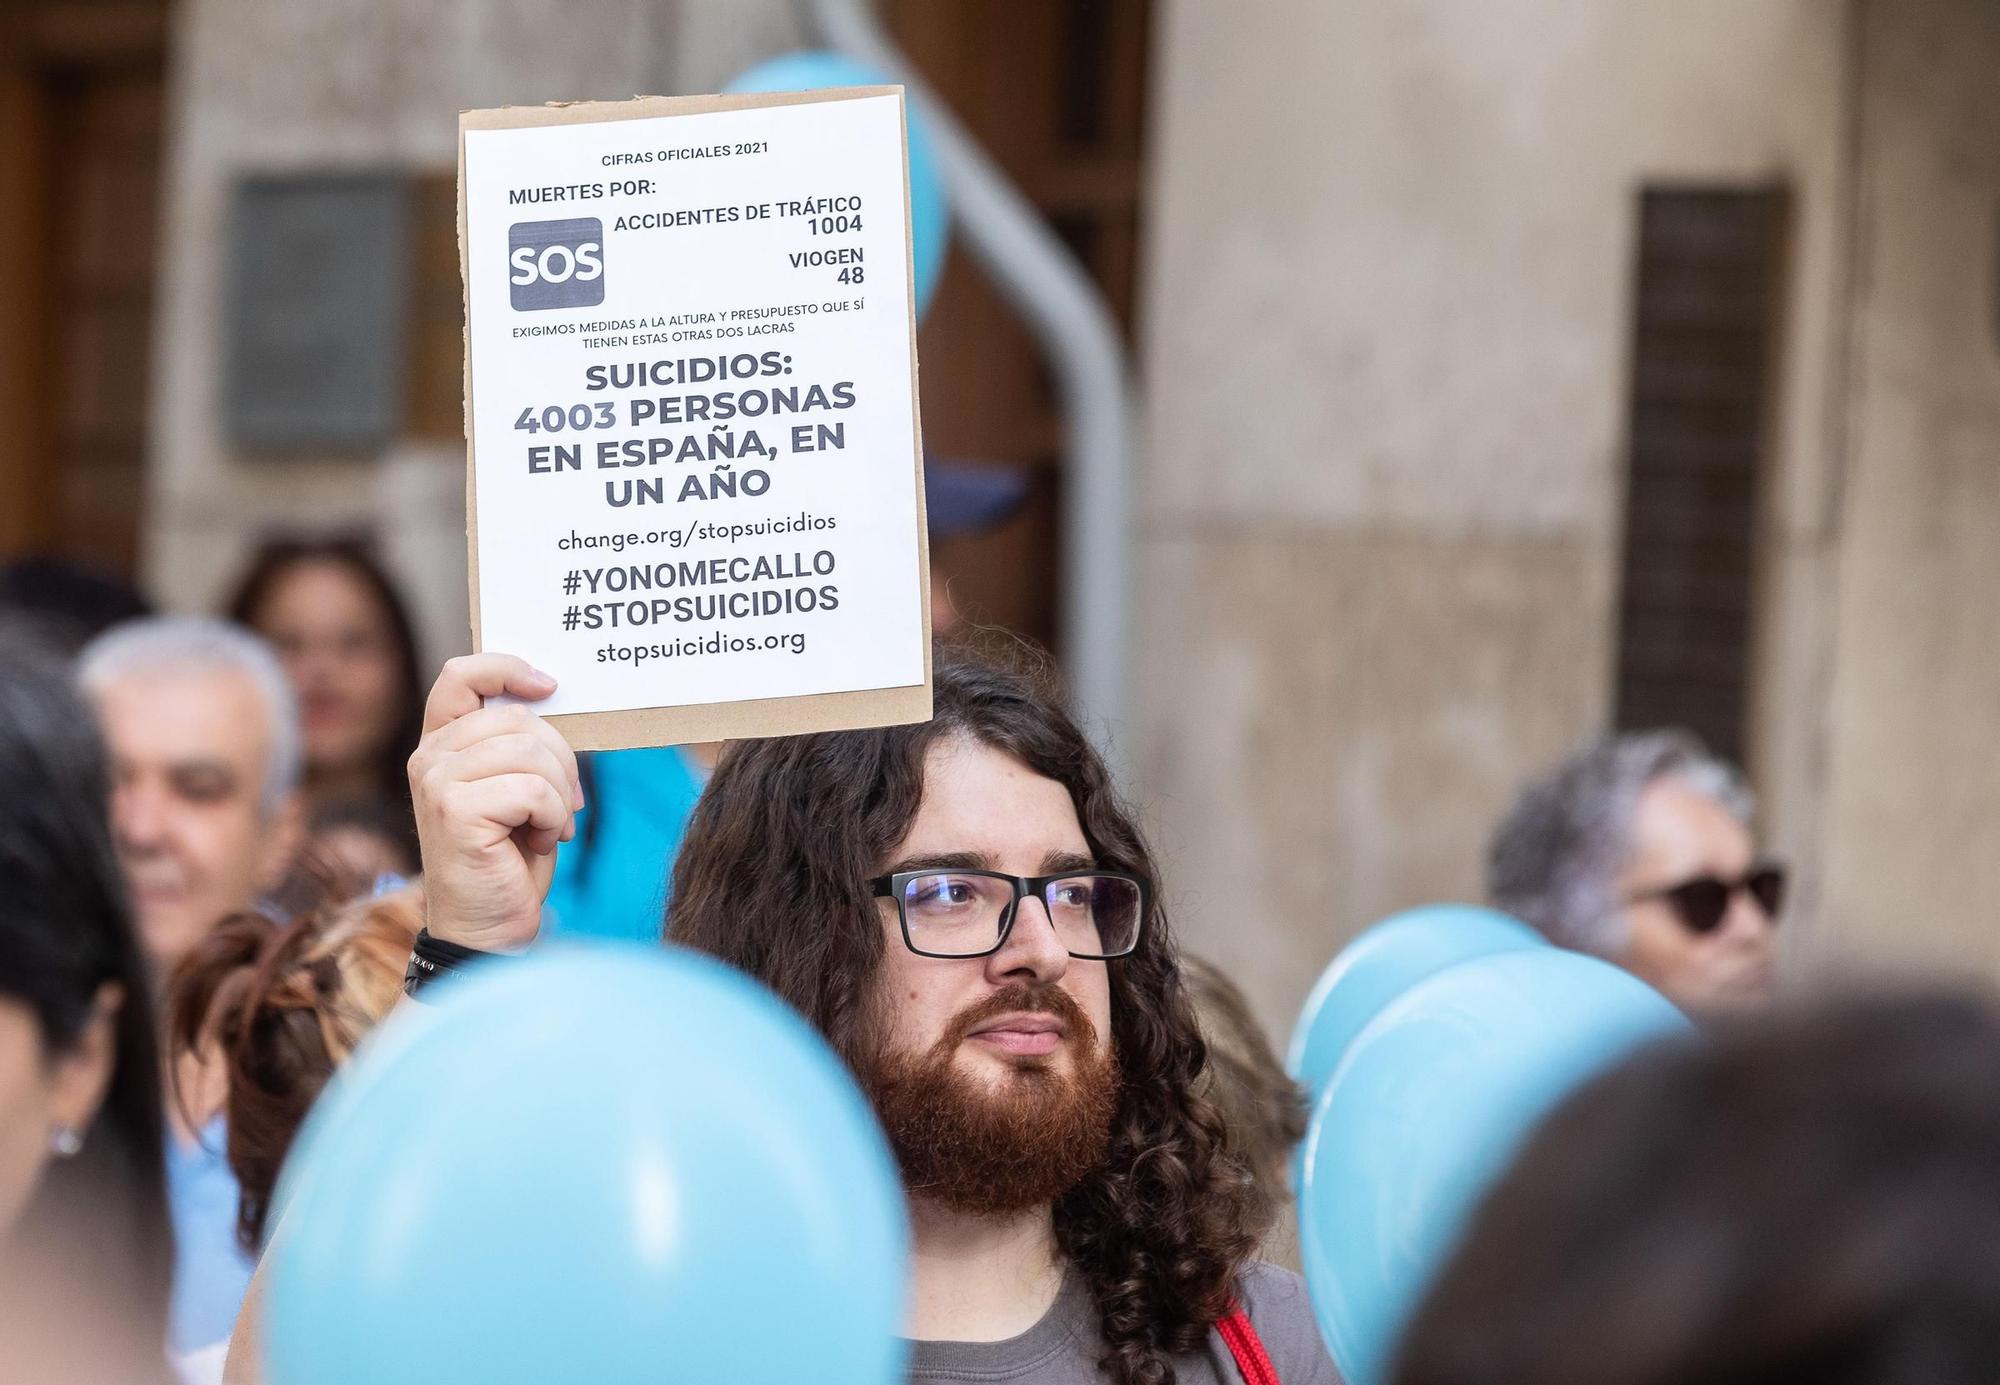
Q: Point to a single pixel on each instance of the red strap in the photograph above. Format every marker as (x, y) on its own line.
(1248, 1349)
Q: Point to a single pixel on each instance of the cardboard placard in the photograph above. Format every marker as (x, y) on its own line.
(694, 471)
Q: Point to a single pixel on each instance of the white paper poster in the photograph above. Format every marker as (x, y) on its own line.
(692, 407)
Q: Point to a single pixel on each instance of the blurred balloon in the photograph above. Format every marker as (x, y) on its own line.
(1434, 1097)
(930, 213)
(1382, 963)
(611, 1164)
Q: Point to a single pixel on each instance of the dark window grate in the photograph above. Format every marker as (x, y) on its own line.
(1703, 360)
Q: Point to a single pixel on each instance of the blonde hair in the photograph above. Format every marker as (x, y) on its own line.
(281, 1008)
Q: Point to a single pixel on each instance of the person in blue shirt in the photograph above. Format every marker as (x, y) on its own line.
(612, 882)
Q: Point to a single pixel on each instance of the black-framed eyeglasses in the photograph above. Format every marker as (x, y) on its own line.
(1097, 914)
(1703, 902)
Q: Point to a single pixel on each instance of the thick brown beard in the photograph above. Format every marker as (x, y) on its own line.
(994, 1149)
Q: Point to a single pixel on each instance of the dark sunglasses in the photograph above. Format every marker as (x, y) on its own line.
(1702, 903)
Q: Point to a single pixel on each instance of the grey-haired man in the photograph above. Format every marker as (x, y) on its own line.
(1639, 849)
(203, 732)
(206, 818)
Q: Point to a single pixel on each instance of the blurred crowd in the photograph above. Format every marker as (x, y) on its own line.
(212, 886)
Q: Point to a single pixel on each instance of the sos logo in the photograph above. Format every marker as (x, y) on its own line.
(556, 264)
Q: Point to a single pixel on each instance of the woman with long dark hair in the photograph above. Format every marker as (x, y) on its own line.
(85, 1250)
(336, 619)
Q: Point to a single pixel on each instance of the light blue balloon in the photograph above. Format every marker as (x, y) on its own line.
(1382, 963)
(1432, 1101)
(609, 1164)
(930, 213)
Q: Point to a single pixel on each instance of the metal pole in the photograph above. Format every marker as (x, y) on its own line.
(1068, 316)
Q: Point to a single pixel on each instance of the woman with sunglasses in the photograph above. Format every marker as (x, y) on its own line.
(1639, 849)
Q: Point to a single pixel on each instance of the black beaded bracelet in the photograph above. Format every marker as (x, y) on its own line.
(432, 959)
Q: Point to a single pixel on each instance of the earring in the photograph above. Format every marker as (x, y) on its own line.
(65, 1142)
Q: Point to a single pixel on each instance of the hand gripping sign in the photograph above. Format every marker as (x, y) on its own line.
(693, 460)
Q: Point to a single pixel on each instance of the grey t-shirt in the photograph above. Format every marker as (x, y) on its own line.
(1064, 1347)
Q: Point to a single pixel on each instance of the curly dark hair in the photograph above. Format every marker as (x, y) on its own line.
(791, 829)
